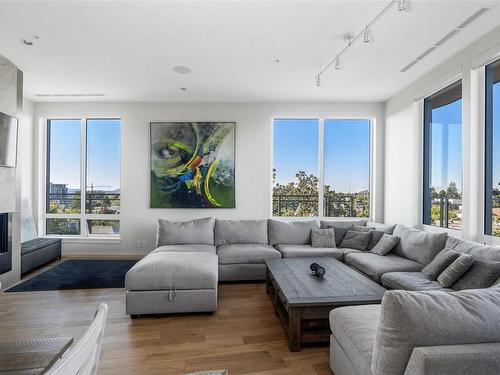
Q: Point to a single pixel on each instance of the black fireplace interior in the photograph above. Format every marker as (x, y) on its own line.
(5, 243)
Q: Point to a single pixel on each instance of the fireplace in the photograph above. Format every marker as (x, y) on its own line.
(5, 242)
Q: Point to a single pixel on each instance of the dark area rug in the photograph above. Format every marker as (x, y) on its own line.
(79, 274)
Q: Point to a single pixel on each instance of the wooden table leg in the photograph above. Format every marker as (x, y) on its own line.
(294, 329)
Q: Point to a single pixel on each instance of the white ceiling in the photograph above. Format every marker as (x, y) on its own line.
(127, 50)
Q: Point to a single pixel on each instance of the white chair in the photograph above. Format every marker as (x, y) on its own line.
(83, 357)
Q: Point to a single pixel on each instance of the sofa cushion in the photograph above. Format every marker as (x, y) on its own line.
(440, 263)
(340, 233)
(38, 244)
(240, 231)
(375, 266)
(356, 240)
(354, 329)
(477, 250)
(246, 253)
(410, 281)
(307, 251)
(291, 232)
(385, 245)
(420, 246)
(170, 270)
(198, 231)
(186, 248)
(389, 229)
(482, 274)
(455, 270)
(323, 237)
(342, 223)
(416, 319)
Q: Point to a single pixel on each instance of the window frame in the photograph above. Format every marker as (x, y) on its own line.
(82, 216)
(452, 79)
(488, 163)
(321, 142)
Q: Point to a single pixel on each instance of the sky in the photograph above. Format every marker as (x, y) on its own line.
(446, 146)
(346, 151)
(103, 153)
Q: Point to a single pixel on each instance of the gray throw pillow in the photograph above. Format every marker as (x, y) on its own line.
(440, 263)
(340, 232)
(359, 228)
(356, 240)
(482, 274)
(385, 245)
(323, 237)
(455, 270)
(376, 237)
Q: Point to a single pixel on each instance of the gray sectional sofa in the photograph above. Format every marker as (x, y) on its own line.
(420, 328)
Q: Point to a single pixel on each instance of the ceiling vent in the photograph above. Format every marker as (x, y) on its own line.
(66, 95)
(447, 37)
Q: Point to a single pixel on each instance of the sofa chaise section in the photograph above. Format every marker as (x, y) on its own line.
(172, 282)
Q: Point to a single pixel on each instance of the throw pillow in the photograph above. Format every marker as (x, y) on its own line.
(455, 270)
(376, 237)
(359, 228)
(482, 274)
(323, 237)
(356, 240)
(340, 232)
(385, 245)
(440, 263)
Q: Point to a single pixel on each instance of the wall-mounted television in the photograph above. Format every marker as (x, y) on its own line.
(8, 140)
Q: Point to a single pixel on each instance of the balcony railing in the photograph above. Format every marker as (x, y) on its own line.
(338, 205)
(95, 203)
(446, 212)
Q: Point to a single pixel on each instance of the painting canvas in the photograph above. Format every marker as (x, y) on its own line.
(192, 164)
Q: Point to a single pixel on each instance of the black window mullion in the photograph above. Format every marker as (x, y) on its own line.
(427, 196)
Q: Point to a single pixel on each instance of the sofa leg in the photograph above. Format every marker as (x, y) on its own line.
(134, 316)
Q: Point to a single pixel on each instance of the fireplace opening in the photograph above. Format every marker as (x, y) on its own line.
(5, 242)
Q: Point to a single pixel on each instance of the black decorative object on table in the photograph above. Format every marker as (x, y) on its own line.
(317, 270)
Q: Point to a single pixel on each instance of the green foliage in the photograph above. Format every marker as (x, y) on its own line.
(300, 198)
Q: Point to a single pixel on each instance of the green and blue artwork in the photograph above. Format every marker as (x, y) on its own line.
(192, 164)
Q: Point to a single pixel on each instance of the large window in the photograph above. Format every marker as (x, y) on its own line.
(442, 200)
(331, 156)
(83, 177)
(492, 146)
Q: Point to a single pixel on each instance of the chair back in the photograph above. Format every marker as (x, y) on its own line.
(83, 357)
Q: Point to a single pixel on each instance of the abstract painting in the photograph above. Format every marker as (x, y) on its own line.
(192, 164)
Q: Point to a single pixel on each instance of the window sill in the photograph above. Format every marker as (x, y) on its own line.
(79, 239)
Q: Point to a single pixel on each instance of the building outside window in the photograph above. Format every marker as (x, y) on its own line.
(442, 198)
(492, 148)
(315, 155)
(83, 177)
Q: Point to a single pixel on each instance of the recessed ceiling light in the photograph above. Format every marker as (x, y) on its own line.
(182, 69)
(182, 88)
(277, 60)
(28, 42)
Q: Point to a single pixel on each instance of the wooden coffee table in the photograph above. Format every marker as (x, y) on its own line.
(303, 302)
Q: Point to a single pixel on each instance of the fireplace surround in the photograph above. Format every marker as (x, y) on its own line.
(5, 242)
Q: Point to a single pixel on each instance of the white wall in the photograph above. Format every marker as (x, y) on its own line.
(404, 140)
(253, 159)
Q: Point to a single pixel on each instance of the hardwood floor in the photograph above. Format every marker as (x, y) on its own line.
(244, 336)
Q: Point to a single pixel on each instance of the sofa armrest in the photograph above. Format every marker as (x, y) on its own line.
(464, 359)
